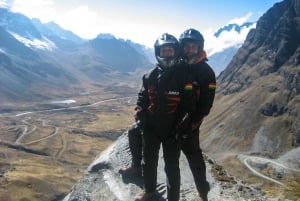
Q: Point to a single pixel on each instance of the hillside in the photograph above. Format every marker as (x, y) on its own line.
(257, 107)
(259, 90)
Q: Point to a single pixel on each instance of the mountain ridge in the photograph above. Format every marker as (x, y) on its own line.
(102, 60)
(50, 57)
(260, 87)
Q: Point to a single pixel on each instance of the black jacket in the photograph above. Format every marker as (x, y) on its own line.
(203, 78)
(159, 99)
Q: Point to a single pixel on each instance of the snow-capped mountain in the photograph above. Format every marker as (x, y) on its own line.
(34, 54)
(52, 30)
(22, 29)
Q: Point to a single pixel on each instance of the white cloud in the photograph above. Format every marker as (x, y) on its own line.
(3, 4)
(42, 9)
(82, 21)
(241, 20)
(225, 40)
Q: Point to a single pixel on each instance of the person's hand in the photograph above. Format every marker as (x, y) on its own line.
(184, 129)
(139, 116)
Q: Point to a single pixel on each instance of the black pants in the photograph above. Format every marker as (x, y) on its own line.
(191, 149)
(171, 153)
(135, 145)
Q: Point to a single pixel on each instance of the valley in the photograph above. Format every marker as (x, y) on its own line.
(46, 147)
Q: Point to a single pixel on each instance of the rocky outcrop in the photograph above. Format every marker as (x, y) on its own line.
(102, 182)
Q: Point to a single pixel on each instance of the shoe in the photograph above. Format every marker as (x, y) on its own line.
(144, 196)
(202, 197)
(131, 170)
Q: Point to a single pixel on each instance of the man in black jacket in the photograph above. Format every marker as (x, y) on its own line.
(203, 83)
(157, 111)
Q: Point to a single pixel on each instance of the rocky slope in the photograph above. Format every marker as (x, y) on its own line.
(257, 104)
(102, 181)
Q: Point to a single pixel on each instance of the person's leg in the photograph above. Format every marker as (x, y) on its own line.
(135, 145)
(171, 151)
(151, 145)
(191, 148)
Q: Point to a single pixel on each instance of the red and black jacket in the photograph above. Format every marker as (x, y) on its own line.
(159, 99)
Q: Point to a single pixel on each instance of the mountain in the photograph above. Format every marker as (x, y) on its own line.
(257, 110)
(63, 39)
(118, 54)
(218, 61)
(22, 68)
(51, 29)
(148, 52)
(19, 24)
(37, 58)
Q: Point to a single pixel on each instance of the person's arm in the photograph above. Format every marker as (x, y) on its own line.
(207, 86)
(142, 101)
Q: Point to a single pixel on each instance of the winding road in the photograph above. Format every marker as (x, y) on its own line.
(25, 126)
(256, 159)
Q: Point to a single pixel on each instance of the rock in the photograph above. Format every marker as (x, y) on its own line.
(102, 182)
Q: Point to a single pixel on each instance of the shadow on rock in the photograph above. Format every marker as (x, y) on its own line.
(133, 178)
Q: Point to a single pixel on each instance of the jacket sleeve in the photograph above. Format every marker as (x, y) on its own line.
(207, 86)
(143, 100)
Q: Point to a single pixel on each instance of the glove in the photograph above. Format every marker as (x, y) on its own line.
(139, 117)
(188, 127)
(184, 128)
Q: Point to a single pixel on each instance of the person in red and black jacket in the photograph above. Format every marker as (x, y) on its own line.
(202, 82)
(157, 113)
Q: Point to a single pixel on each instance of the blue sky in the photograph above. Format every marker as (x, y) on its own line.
(141, 21)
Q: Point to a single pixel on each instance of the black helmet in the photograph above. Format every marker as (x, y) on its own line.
(166, 39)
(191, 35)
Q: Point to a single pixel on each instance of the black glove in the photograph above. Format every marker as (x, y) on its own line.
(183, 128)
(140, 117)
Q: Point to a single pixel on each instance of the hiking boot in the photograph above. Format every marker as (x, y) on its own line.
(131, 170)
(144, 196)
(202, 197)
